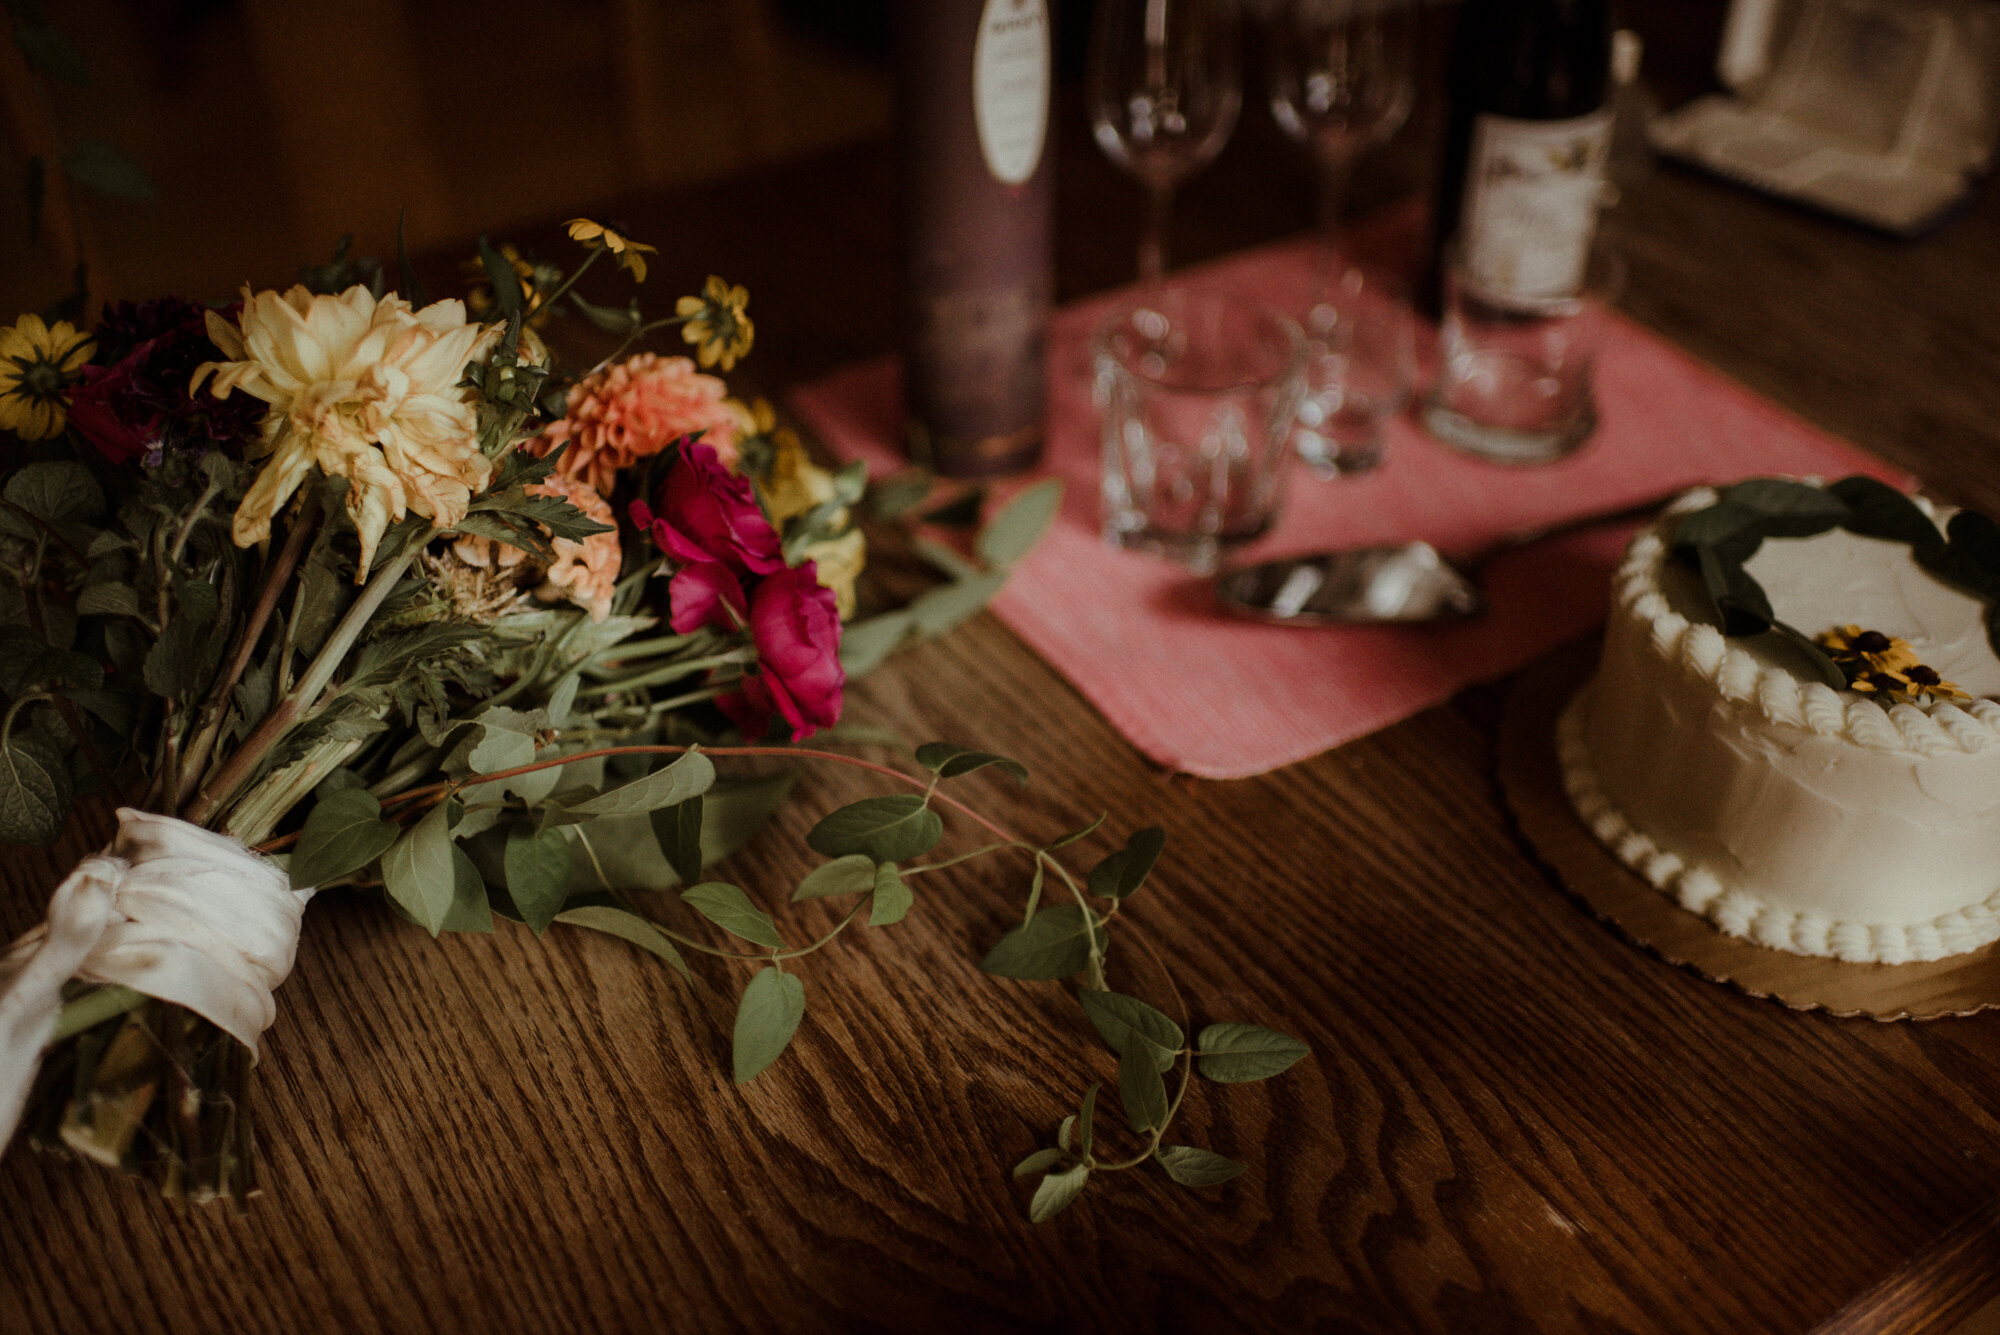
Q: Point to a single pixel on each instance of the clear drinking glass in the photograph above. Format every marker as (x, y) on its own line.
(1342, 78)
(1199, 392)
(1361, 369)
(1164, 88)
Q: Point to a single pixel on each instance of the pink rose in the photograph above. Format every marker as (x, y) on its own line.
(796, 628)
(707, 513)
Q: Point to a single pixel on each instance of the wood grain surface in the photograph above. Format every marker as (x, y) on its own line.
(1512, 1120)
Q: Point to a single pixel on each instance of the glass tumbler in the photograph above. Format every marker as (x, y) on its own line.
(1198, 393)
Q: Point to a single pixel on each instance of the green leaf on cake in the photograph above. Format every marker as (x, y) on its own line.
(1789, 509)
(1877, 510)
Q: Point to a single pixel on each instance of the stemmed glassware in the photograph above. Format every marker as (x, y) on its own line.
(1342, 78)
(1164, 89)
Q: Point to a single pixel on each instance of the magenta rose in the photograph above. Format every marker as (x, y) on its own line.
(706, 594)
(796, 628)
(705, 513)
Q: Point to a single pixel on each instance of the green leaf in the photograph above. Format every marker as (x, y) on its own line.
(470, 910)
(1971, 555)
(48, 50)
(1130, 1026)
(1142, 1091)
(1066, 1133)
(1815, 659)
(948, 761)
(1786, 509)
(678, 828)
(344, 833)
(946, 559)
(1877, 510)
(850, 875)
(1039, 1161)
(96, 165)
(609, 320)
(108, 599)
(1013, 533)
(731, 910)
(506, 283)
(864, 644)
(1055, 943)
(34, 789)
(690, 776)
(960, 511)
(892, 828)
(1123, 872)
(1084, 833)
(892, 897)
(56, 492)
(1083, 1120)
(418, 871)
(944, 608)
(1055, 1193)
(600, 913)
(1192, 1167)
(773, 1004)
(1232, 1054)
(537, 870)
(895, 496)
(406, 272)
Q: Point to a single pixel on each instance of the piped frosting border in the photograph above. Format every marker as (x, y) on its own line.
(1737, 675)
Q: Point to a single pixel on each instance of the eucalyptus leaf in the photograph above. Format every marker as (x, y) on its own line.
(1055, 943)
(941, 609)
(948, 761)
(1013, 533)
(690, 776)
(1142, 1091)
(602, 914)
(1056, 1192)
(864, 644)
(1192, 1167)
(1039, 1161)
(1811, 656)
(470, 911)
(1877, 510)
(946, 559)
(1971, 555)
(1130, 1026)
(678, 829)
(892, 897)
(343, 833)
(895, 496)
(1235, 1053)
(766, 1018)
(1066, 1133)
(418, 871)
(35, 790)
(1123, 872)
(537, 866)
(730, 909)
(1787, 509)
(892, 828)
(850, 875)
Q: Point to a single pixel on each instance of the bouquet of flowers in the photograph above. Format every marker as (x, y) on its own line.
(339, 587)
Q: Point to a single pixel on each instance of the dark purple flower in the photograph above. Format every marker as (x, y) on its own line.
(133, 400)
(796, 628)
(704, 512)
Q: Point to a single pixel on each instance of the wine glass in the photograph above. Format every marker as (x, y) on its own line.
(1164, 90)
(1342, 78)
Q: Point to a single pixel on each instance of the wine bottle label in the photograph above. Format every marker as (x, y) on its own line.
(1010, 87)
(1531, 196)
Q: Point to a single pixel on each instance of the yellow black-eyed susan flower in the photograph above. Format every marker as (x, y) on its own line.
(38, 364)
(716, 323)
(631, 254)
(1885, 666)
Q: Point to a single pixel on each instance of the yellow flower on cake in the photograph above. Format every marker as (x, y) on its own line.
(363, 389)
(37, 363)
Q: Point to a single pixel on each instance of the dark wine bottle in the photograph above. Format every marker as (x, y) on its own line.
(1526, 139)
(973, 109)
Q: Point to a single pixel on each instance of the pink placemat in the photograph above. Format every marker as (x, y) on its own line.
(1202, 693)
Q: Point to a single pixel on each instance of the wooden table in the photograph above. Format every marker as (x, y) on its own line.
(1512, 1120)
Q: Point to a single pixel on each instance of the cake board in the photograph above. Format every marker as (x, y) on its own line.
(1531, 780)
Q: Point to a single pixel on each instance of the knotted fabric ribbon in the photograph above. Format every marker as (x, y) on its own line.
(169, 909)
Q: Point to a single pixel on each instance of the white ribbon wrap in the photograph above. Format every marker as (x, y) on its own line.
(169, 909)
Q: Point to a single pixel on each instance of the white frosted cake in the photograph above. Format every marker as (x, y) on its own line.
(1860, 824)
